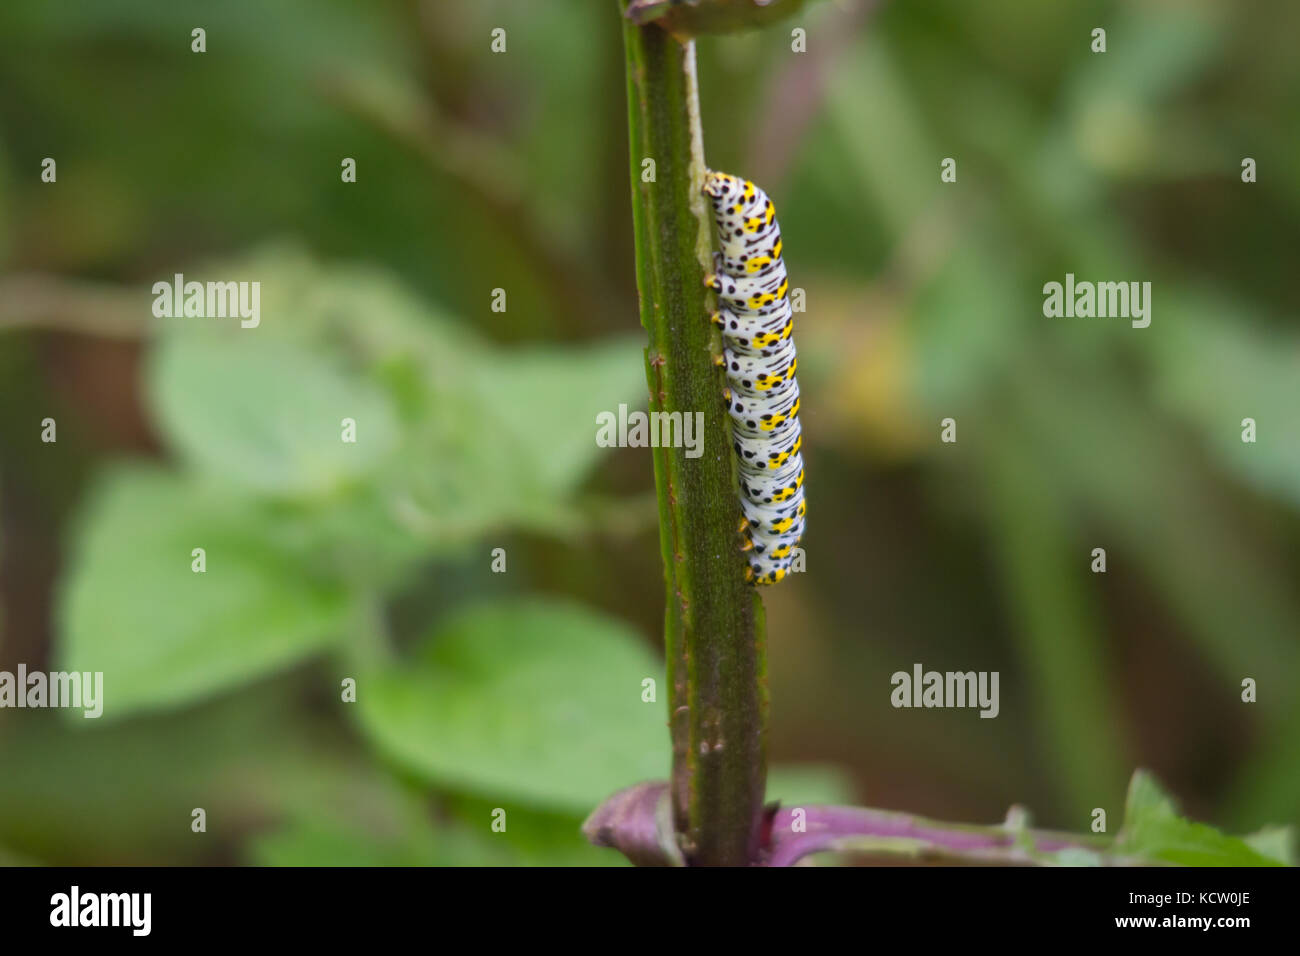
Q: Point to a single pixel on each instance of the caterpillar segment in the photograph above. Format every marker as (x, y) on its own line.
(762, 393)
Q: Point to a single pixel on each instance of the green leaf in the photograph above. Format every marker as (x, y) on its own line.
(162, 634)
(395, 829)
(535, 701)
(1147, 800)
(531, 837)
(308, 841)
(541, 406)
(1153, 830)
(456, 438)
(1075, 856)
(260, 413)
(510, 435)
(95, 793)
(408, 837)
(1276, 843)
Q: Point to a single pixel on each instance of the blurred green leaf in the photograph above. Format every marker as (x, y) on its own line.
(539, 407)
(506, 440)
(509, 436)
(484, 438)
(1076, 856)
(532, 837)
(131, 607)
(1147, 799)
(312, 842)
(1154, 830)
(253, 411)
(1275, 842)
(536, 701)
(409, 838)
(90, 792)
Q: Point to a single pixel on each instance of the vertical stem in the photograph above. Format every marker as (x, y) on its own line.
(713, 628)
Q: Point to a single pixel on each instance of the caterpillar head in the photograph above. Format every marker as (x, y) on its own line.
(722, 187)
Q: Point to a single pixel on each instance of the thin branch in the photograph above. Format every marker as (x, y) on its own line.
(43, 301)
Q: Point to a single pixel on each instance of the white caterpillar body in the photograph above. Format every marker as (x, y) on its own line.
(763, 393)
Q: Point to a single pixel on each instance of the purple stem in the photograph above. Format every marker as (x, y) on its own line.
(638, 821)
(830, 828)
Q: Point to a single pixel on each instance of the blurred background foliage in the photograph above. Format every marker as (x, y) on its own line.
(479, 171)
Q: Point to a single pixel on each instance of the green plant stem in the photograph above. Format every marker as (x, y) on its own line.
(714, 16)
(713, 630)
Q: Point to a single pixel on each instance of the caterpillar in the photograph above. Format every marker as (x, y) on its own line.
(762, 393)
